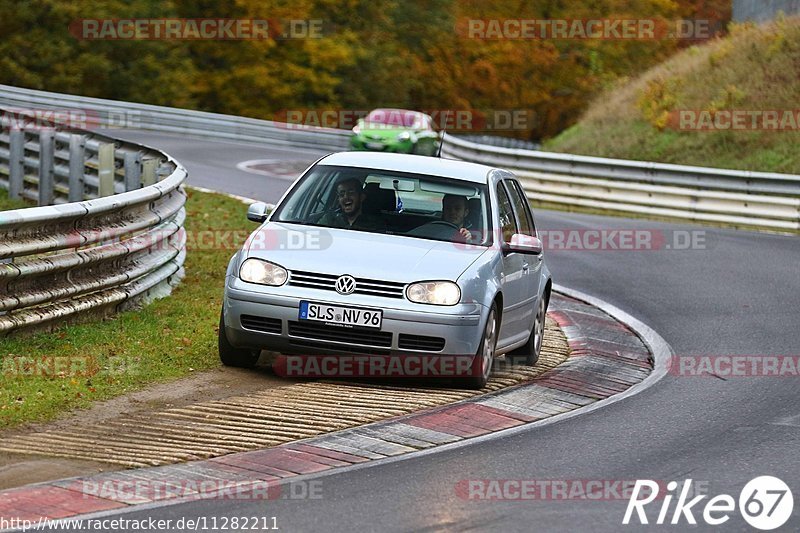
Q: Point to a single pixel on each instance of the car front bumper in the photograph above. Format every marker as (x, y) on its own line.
(271, 323)
(392, 146)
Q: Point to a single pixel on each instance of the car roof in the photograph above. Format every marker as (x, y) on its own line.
(416, 164)
(395, 110)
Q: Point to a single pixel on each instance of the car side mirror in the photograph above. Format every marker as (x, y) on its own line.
(258, 212)
(524, 244)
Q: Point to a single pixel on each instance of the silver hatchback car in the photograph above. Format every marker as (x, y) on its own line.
(391, 255)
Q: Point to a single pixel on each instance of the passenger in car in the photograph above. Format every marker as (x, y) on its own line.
(350, 196)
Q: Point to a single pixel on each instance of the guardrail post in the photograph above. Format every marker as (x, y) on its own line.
(105, 169)
(46, 180)
(149, 167)
(798, 218)
(133, 171)
(16, 163)
(77, 166)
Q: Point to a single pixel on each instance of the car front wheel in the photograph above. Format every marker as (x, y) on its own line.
(231, 355)
(482, 362)
(528, 353)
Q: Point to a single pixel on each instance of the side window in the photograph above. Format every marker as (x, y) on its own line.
(326, 194)
(522, 208)
(313, 196)
(506, 214)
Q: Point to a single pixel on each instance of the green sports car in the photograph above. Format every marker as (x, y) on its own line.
(395, 130)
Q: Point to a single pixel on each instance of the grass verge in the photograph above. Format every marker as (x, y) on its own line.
(7, 203)
(48, 374)
(752, 70)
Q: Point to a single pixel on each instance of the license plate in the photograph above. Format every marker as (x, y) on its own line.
(375, 146)
(348, 317)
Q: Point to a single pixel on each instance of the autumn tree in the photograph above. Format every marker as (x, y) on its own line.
(399, 53)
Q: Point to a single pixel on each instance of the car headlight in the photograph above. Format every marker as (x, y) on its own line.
(404, 136)
(356, 130)
(263, 272)
(434, 292)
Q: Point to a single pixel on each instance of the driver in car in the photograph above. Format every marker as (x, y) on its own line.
(451, 227)
(350, 196)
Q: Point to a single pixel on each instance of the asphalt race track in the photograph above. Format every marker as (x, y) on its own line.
(736, 293)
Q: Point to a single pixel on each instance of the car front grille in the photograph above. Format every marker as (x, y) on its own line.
(371, 287)
(319, 347)
(420, 343)
(321, 332)
(261, 324)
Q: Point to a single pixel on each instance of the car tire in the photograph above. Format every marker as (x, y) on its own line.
(231, 355)
(481, 366)
(528, 353)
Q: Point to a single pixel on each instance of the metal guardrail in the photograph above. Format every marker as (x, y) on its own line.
(759, 199)
(54, 167)
(502, 142)
(112, 113)
(766, 200)
(105, 252)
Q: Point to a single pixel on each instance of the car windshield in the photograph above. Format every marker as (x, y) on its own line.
(393, 117)
(391, 203)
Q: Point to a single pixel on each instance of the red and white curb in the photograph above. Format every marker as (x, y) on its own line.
(613, 356)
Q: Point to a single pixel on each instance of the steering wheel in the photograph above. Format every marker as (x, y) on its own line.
(445, 223)
(457, 237)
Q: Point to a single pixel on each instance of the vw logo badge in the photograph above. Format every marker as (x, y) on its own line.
(345, 284)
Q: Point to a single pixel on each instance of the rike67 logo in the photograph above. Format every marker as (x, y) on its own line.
(765, 503)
